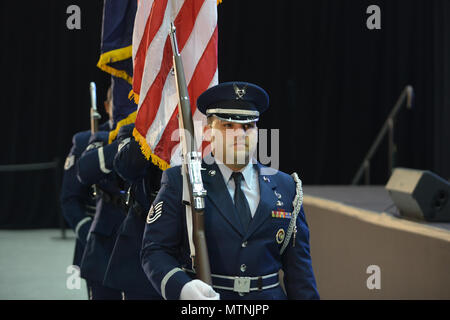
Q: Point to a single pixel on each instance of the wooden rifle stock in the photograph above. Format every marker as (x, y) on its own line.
(192, 167)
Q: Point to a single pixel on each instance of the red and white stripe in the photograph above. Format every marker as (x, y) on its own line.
(196, 26)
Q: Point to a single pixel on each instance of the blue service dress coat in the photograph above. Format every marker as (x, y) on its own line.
(96, 167)
(233, 252)
(77, 202)
(124, 269)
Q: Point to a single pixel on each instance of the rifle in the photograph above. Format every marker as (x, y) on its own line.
(192, 161)
(95, 116)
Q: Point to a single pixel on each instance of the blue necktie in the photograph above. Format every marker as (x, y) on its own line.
(240, 201)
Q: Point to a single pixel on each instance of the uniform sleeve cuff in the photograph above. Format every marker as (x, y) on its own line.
(172, 284)
(82, 229)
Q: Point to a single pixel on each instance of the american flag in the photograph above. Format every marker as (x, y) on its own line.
(154, 83)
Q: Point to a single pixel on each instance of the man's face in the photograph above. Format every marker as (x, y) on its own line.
(233, 143)
(108, 103)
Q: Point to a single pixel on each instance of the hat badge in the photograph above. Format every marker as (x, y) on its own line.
(239, 92)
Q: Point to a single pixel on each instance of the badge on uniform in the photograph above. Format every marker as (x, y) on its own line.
(281, 214)
(240, 93)
(123, 143)
(212, 173)
(70, 160)
(155, 212)
(280, 236)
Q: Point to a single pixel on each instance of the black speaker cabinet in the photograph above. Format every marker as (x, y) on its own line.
(420, 194)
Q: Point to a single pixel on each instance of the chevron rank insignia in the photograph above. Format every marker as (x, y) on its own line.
(155, 212)
(281, 214)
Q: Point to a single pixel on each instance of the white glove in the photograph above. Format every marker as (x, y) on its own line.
(198, 290)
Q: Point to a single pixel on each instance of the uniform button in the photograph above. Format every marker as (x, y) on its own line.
(243, 267)
(244, 244)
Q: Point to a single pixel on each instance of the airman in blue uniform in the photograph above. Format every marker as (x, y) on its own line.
(254, 222)
(95, 168)
(77, 202)
(124, 269)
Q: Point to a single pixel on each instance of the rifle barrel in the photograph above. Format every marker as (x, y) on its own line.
(191, 166)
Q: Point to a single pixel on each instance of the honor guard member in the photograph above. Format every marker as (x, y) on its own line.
(95, 168)
(125, 270)
(254, 223)
(77, 202)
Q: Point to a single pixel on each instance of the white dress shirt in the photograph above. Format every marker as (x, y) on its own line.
(250, 185)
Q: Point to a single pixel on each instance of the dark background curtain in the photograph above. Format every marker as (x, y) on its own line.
(332, 82)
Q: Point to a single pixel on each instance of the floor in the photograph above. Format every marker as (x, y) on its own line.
(34, 265)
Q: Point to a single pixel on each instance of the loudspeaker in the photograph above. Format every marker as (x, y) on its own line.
(420, 194)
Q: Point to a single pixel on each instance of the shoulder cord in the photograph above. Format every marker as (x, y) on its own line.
(297, 203)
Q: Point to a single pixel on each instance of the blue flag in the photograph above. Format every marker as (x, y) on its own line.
(116, 58)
